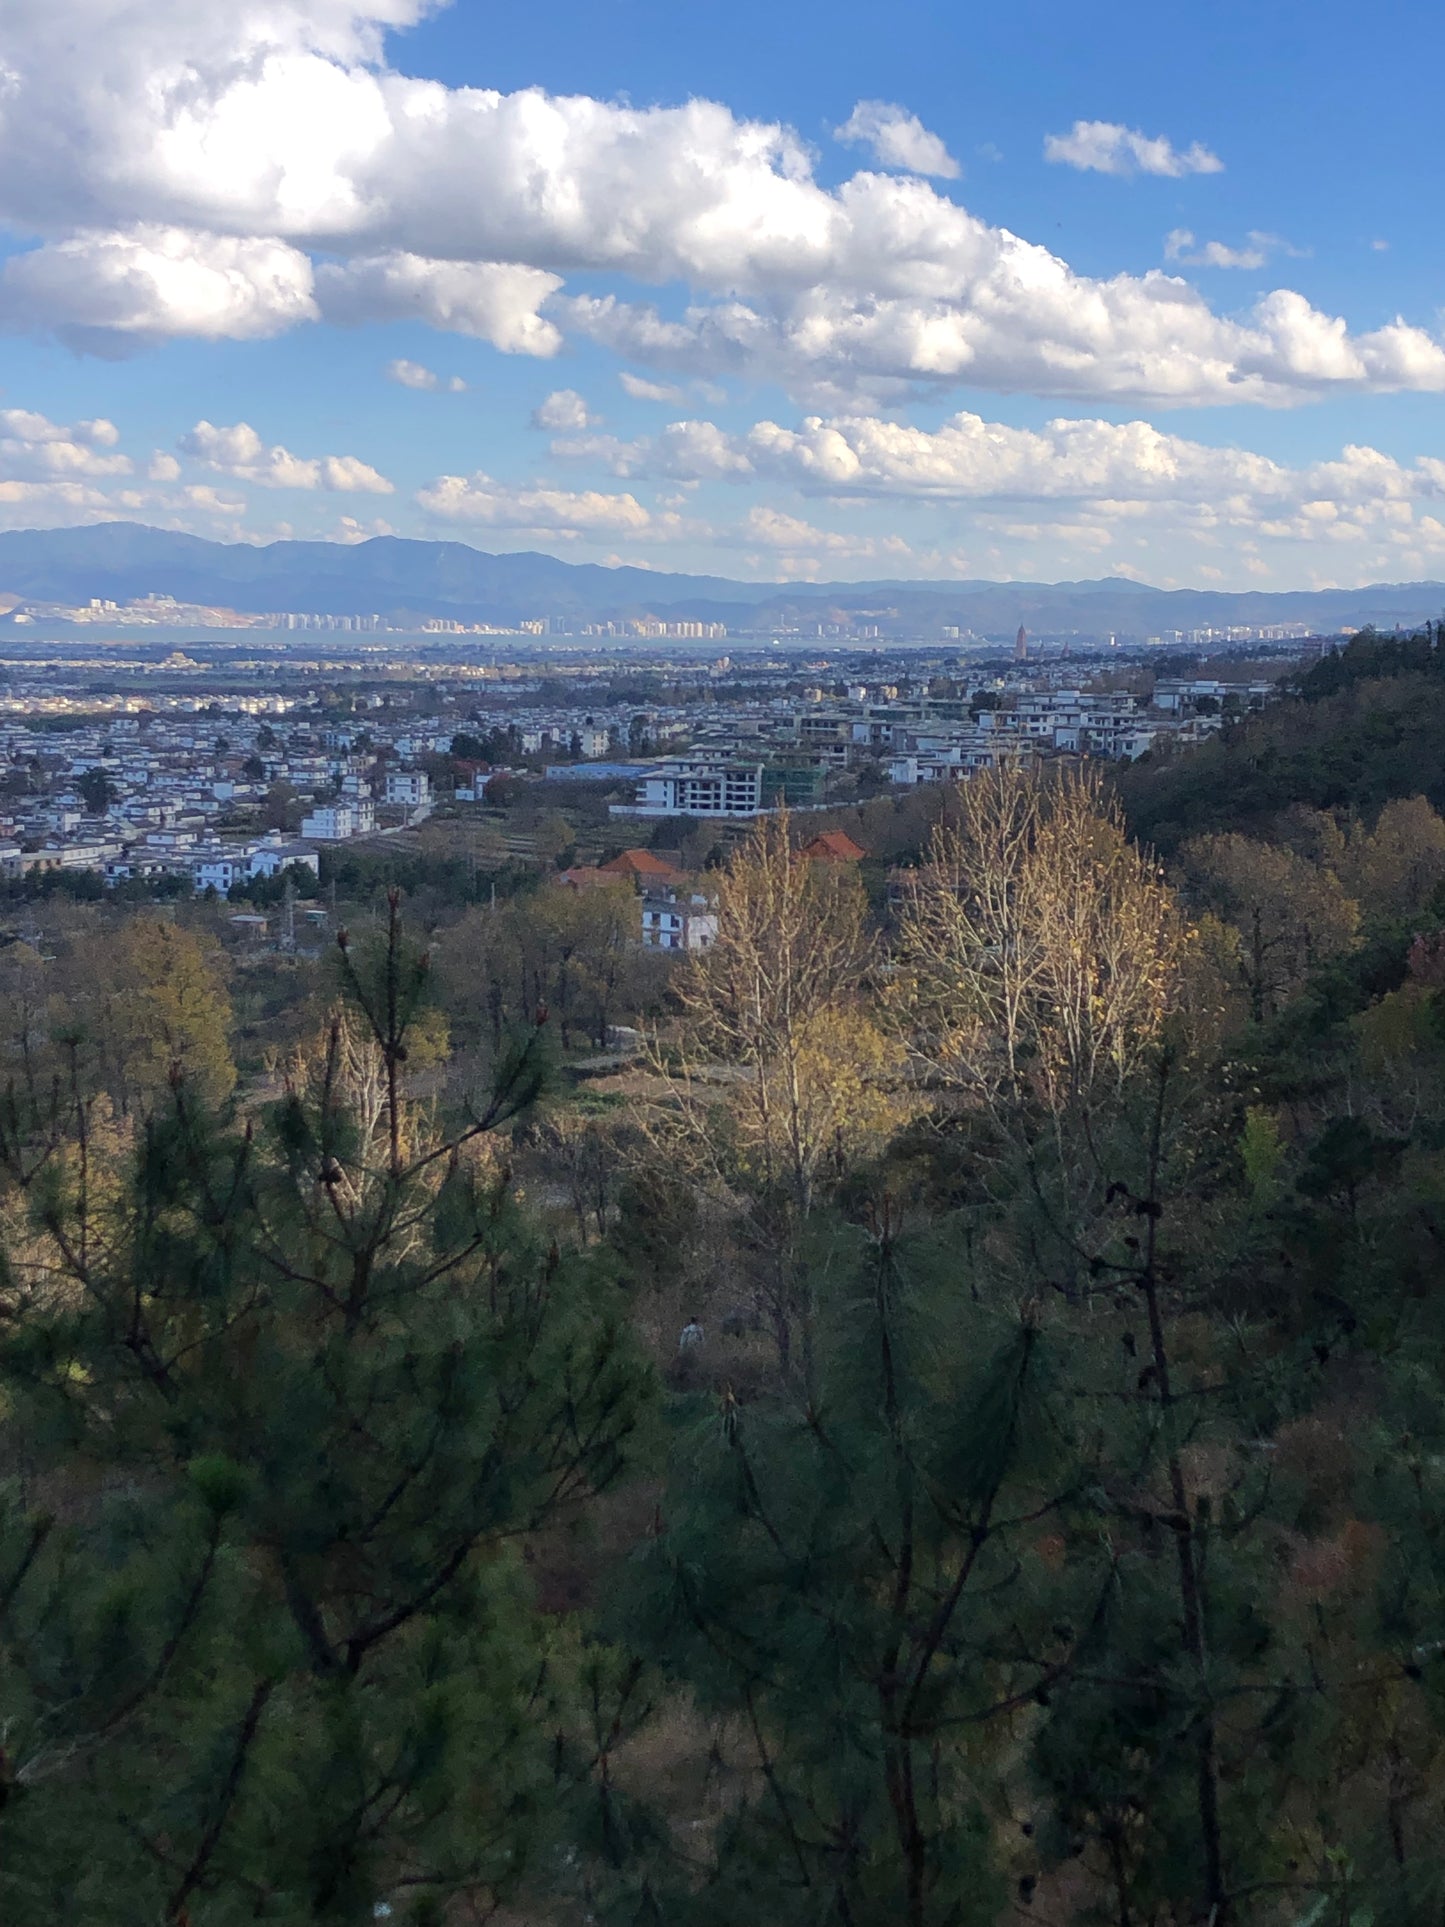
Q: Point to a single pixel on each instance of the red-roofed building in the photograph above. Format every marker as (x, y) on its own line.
(642, 866)
(833, 846)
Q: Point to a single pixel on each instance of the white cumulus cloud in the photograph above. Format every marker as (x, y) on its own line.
(412, 374)
(775, 529)
(496, 302)
(547, 511)
(1108, 147)
(565, 412)
(896, 138)
(689, 451)
(1180, 245)
(238, 451)
(1094, 477)
(1024, 321)
(111, 290)
(181, 163)
(640, 389)
(32, 447)
(25, 504)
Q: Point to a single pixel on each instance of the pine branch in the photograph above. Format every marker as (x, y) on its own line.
(210, 1840)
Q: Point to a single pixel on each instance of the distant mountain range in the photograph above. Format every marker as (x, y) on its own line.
(406, 582)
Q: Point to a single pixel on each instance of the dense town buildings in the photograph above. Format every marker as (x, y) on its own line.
(143, 762)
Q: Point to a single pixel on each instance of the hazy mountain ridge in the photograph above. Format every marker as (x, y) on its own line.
(399, 578)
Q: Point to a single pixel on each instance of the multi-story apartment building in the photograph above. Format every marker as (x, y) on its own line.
(330, 823)
(411, 788)
(679, 787)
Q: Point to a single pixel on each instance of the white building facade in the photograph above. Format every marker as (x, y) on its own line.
(677, 922)
(679, 787)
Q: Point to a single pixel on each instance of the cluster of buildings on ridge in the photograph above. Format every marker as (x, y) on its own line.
(166, 612)
(152, 795)
(160, 611)
(142, 786)
(927, 740)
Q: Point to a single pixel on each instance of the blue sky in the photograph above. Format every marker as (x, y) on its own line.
(767, 290)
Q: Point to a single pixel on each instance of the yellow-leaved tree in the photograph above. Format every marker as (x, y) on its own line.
(1283, 913)
(776, 1026)
(152, 996)
(779, 1078)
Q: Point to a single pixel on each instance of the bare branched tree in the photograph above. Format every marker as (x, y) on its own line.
(1039, 947)
(1040, 959)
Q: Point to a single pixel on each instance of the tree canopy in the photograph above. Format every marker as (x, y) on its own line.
(925, 1412)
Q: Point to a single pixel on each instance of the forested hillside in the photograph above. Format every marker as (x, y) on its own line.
(946, 1427)
(1368, 728)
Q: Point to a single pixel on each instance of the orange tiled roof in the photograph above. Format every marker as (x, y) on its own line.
(640, 863)
(833, 846)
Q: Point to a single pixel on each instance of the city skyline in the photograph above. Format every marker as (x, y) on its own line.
(800, 297)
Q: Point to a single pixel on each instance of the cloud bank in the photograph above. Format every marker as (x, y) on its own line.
(1103, 475)
(238, 451)
(193, 169)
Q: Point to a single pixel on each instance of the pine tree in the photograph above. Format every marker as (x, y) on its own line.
(280, 1402)
(1250, 1729)
(857, 1586)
